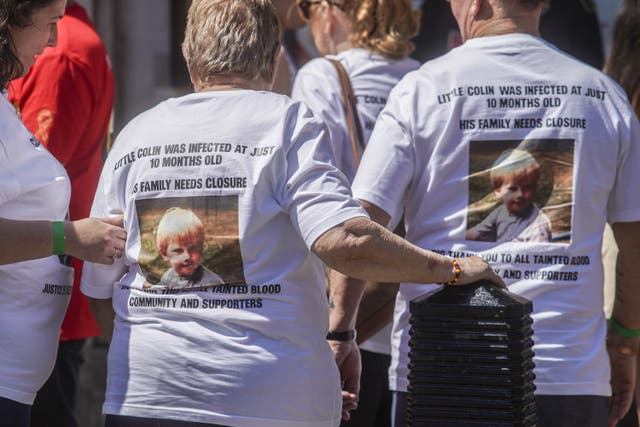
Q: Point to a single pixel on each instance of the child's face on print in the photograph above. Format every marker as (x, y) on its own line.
(184, 257)
(517, 194)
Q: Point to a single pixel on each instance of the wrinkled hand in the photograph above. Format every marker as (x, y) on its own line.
(475, 268)
(98, 240)
(347, 355)
(623, 354)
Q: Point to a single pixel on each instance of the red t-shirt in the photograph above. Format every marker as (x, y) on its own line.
(66, 101)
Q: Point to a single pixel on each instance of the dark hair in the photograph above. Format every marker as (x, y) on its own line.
(623, 64)
(16, 13)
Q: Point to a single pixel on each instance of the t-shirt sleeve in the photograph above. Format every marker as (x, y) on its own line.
(624, 203)
(98, 279)
(387, 167)
(314, 193)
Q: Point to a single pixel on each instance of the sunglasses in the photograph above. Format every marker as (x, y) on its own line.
(304, 7)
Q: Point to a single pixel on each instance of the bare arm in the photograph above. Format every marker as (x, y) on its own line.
(103, 312)
(623, 351)
(345, 294)
(90, 239)
(362, 249)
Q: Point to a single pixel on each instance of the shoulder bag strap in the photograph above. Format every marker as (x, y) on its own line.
(353, 119)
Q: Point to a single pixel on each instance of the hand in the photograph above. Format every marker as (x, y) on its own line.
(98, 240)
(623, 354)
(475, 268)
(347, 355)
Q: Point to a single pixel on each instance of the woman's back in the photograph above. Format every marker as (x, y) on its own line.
(372, 77)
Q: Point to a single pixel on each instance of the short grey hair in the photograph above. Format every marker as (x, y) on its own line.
(231, 39)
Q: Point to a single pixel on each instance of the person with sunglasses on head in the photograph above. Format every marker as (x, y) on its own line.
(35, 278)
(430, 158)
(371, 40)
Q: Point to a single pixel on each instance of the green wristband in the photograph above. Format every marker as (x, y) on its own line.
(622, 331)
(58, 238)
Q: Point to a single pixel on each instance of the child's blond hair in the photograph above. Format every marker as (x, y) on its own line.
(179, 225)
(514, 165)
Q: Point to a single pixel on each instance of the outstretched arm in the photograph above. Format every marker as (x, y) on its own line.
(90, 239)
(362, 249)
(345, 294)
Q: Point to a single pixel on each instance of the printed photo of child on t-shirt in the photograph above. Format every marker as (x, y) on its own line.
(180, 240)
(514, 210)
(189, 243)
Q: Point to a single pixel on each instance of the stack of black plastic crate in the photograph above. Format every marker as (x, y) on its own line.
(471, 359)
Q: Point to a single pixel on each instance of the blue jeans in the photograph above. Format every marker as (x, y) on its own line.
(14, 414)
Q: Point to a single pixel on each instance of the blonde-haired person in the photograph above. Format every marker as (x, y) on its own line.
(252, 352)
(372, 41)
(239, 59)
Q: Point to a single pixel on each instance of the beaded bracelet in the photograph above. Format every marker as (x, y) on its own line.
(59, 240)
(622, 331)
(456, 270)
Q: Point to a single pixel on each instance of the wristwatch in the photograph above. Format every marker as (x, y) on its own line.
(342, 336)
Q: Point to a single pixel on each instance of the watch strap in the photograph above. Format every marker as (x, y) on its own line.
(342, 336)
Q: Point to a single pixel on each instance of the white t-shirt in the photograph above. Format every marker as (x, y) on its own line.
(255, 168)
(34, 294)
(202, 278)
(504, 226)
(372, 78)
(432, 163)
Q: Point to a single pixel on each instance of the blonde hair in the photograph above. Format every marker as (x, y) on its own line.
(383, 26)
(179, 225)
(232, 39)
(514, 165)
